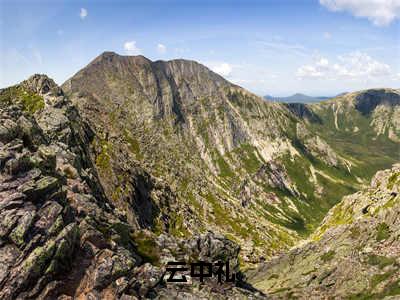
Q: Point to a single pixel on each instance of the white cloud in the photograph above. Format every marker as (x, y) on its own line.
(131, 48)
(379, 12)
(358, 64)
(309, 71)
(254, 77)
(161, 48)
(83, 13)
(322, 62)
(314, 71)
(352, 65)
(223, 69)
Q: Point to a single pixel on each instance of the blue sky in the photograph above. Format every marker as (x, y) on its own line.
(317, 47)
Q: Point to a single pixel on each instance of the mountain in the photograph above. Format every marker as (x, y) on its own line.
(296, 98)
(190, 129)
(133, 163)
(354, 254)
(60, 236)
(377, 110)
(221, 150)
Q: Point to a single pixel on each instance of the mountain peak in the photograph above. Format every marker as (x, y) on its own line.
(139, 72)
(108, 53)
(111, 56)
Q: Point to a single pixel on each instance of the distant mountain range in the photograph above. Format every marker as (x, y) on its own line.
(301, 98)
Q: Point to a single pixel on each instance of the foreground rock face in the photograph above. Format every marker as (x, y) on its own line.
(354, 253)
(60, 237)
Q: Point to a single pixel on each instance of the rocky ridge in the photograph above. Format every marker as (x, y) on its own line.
(60, 236)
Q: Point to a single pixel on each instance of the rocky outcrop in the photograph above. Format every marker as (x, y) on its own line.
(318, 147)
(276, 176)
(353, 254)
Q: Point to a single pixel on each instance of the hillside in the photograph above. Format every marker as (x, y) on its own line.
(363, 127)
(354, 254)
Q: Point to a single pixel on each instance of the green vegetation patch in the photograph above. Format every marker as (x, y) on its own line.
(238, 226)
(30, 102)
(177, 225)
(378, 278)
(104, 157)
(147, 247)
(393, 179)
(380, 261)
(124, 232)
(224, 168)
(339, 217)
(133, 145)
(370, 152)
(299, 172)
(382, 232)
(247, 156)
(327, 256)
